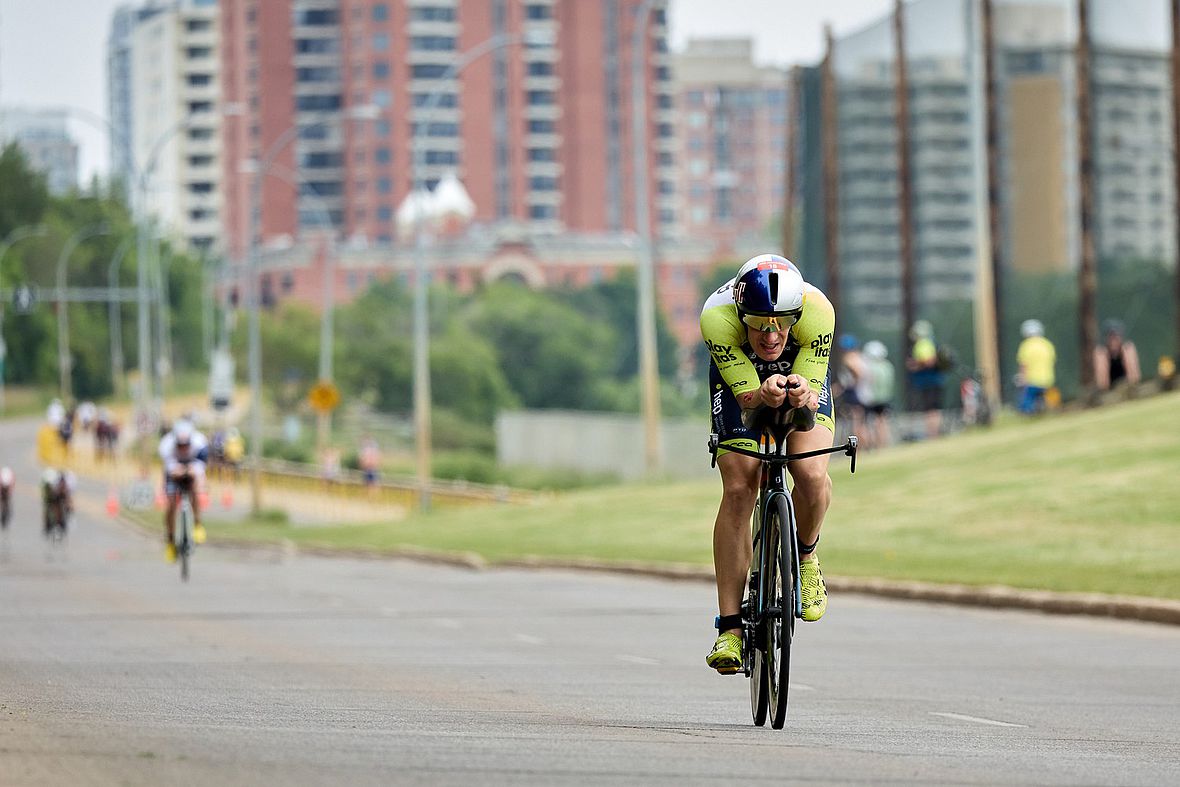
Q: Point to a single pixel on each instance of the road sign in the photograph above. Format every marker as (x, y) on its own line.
(23, 298)
(323, 397)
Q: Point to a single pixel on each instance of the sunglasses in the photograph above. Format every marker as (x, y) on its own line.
(782, 322)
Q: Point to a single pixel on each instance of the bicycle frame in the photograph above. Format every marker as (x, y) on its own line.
(777, 428)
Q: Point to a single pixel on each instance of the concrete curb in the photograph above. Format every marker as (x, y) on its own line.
(1139, 608)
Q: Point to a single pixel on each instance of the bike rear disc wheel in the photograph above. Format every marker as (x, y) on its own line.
(779, 625)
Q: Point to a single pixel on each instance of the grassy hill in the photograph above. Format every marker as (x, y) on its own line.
(1086, 501)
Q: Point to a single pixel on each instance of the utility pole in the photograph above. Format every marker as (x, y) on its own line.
(1176, 150)
(985, 149)
(790, 160)
(905, 224)
(1088, 269)
(831, 170)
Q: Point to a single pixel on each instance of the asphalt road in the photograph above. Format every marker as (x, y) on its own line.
(271, 668)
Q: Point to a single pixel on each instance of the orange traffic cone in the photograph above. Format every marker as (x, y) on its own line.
(112, 502)
(227, 497)
(203, 500)
(160, 502)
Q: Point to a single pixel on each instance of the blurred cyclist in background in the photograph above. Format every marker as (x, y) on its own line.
(183, 451)
(57, 498)
(7, 482)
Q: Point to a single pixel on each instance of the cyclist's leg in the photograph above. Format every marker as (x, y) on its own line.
(739, 485)
(731, 530)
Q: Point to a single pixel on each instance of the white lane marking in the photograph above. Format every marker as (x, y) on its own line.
(637, 660)
(977, 720)
(529, 639)
(801, 687)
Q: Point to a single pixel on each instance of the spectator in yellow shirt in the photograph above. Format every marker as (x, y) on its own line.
(1037, 359)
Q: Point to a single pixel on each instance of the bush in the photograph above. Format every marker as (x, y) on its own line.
(291, 452)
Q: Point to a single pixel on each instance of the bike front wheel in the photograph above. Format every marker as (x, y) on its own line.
(779, 623)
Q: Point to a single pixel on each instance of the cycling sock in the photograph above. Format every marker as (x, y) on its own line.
(807, 549)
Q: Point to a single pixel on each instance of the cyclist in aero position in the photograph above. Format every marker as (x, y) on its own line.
(183, 452)
(769, 335)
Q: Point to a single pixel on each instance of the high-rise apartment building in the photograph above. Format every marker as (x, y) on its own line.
(166, 110)
(732, 126)
(527, 101)
(1037, 137)
(44, 138)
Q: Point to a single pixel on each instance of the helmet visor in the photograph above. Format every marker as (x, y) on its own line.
(781, 322)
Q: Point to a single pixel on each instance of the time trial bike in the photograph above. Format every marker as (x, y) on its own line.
(773, 594)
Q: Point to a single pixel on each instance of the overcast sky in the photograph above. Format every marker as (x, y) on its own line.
(53, 52)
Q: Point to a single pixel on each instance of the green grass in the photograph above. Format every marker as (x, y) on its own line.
(1086, 501)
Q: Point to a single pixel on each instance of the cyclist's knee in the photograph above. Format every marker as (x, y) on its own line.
(812, 480)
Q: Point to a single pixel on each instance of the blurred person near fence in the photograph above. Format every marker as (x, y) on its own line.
(876, 394)
(1116, 361)
(926, 376)
(1036, 361)
(369, 459)
(847, 382)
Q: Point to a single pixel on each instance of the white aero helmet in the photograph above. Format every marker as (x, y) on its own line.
(875, 350)
(1031, 328)
(768, 293)
(183, 432)
(50, 477)
(6, 477)
(921, 329)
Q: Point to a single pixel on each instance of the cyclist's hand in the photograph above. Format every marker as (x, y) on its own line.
(799, 393)
(773, 390)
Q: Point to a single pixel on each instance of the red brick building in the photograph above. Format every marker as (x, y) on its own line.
(538, 129)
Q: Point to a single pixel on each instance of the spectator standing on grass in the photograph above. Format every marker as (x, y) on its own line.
(1036, 359)
(926, 378)
(369, 459)
(1116, 361)
(876, 394)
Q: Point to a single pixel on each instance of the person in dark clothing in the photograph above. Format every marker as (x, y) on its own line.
(1116, 361)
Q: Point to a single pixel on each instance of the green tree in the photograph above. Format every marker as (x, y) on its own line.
(24, 195)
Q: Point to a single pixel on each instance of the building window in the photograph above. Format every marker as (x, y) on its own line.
(383, 156)
(538, 11)
(384, 212)
(540, 98)
(543, 183)
(326, 16)
(382, 98)
(446, 100)
(542, 212)
(542, 154)
(542, 127)
(380, 69)
(384, 185)
(199, 80)
(428, 70)
(442, 157)
(317, 103)
(431, 13)
(198, 52)
(381, 42)
(380, 12)
(539, 68)
(432, 43)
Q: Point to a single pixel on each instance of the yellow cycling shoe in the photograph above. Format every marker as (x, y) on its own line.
(815, 593)
(726, 657)
(199, 534)
(170, 553)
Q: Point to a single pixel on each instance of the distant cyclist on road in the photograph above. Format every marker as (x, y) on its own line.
(57, 499)
(183, 451)
(7, 482)
(769, 336)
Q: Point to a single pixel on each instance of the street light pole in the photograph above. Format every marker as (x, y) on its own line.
(649, 382)
(64, 363)
(254, 266)
(418, 198)
(116, 317)
(18, 234)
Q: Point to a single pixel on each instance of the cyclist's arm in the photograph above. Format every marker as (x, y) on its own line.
(724, 336)
(813, 333)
